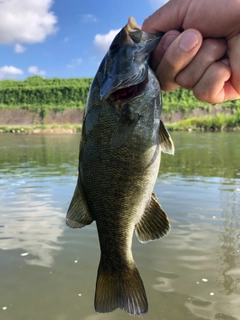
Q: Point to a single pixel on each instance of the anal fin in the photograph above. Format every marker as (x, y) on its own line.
(154, 223)
(78, 214)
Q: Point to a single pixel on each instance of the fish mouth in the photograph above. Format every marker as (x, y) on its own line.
(127, 93)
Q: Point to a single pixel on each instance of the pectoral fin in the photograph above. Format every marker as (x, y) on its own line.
(167, 145)
(124, 129)
(154, 223)
(78, 214)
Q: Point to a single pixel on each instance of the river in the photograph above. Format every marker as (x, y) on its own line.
(48, 271)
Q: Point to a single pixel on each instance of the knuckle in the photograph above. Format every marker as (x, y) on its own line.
(185, 80)
(214, 48)
(201, 95)
(167, 87)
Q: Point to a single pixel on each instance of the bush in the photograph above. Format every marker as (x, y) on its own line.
(36, 91)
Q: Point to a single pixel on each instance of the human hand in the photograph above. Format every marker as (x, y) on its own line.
(206, 56)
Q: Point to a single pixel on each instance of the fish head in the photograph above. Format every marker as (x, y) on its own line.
(125, 66)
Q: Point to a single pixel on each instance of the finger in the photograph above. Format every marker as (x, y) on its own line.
(211, 51)
(201, 15)
(210, 87)
(168, 17)
(234, 58)
(161, 48)
(177, 56)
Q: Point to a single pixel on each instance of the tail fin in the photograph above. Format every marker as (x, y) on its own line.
(122, 289)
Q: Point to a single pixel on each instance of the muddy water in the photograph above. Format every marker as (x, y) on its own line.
(47, 271)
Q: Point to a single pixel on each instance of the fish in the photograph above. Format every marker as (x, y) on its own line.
(119, 158)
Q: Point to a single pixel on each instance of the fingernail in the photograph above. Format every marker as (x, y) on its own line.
(188, 42)
(168, 40)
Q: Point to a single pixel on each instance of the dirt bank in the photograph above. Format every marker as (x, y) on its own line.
(176, 116)
(22, 117)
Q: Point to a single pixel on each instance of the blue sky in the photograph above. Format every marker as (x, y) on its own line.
(62, 38)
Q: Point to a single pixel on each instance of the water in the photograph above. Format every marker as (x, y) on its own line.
(48, 271)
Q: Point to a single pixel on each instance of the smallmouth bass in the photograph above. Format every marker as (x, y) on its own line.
(119, 159)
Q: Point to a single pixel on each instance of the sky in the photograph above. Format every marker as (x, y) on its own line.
(62, 38)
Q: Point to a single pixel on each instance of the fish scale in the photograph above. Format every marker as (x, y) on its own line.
(122, 139)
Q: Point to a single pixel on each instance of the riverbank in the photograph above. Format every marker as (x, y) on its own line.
(214, 118)
(56, 105)
(45, 129)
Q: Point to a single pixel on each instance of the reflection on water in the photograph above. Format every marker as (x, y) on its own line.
(230, 239)
(48, 271)
(28, 218)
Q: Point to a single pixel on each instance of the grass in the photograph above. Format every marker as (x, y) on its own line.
(43, 128)
(219, 122)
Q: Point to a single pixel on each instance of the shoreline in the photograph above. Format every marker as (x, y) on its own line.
(69, 121)
(73, 129)
(45, 129)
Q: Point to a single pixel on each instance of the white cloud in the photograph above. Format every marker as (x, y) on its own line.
(18, 48)
(156, 4)
(102, 41)
(35, 71)
(9, 72)
(74, 63)
(26, 21)
(89, 18)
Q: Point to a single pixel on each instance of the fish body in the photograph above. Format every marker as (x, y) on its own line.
(122, 139)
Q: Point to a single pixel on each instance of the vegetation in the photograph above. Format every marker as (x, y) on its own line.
(182, 99)
(55, 93)
(40, 128)
(38, 94)
(219, 122)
